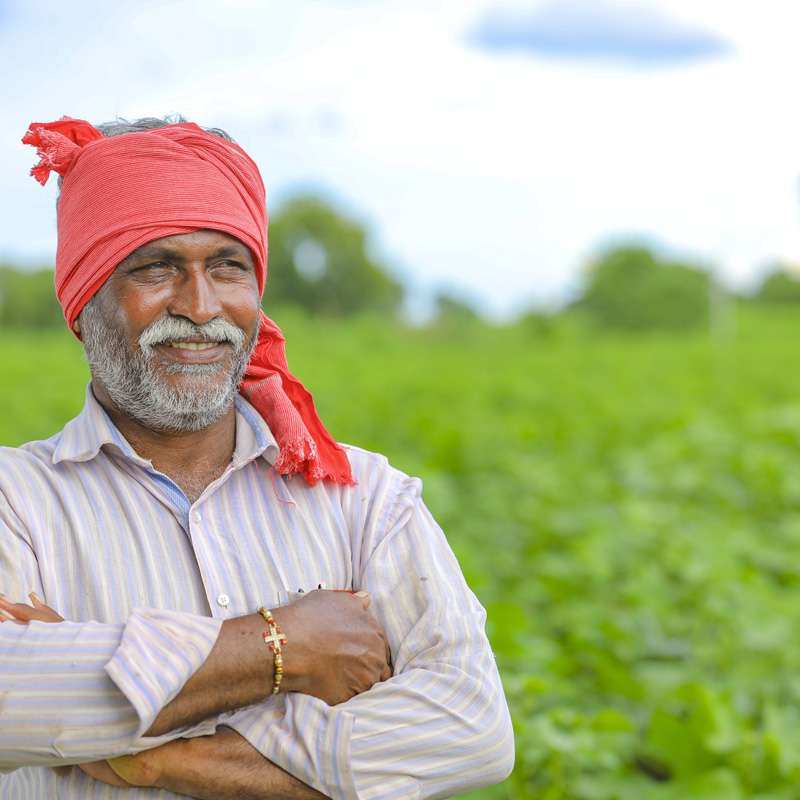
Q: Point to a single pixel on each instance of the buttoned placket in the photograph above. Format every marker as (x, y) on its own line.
(220, 591)
(193, 520)
(216, 585)
(196, 523)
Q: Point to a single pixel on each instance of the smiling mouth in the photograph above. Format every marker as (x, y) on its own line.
(192, 345)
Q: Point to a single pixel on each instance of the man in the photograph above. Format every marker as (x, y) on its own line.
(172, 508)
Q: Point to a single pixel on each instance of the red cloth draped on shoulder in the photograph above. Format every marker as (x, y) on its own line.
(124, 191)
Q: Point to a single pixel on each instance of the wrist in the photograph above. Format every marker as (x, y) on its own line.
(170, 762)
(286, 619)
(146, 768)
(274, 639)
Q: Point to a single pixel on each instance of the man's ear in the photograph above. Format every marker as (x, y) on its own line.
(76, 326)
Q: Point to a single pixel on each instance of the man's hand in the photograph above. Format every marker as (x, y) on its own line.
(219, 767)
(22, 614)
(104, 772)
(334, 649)
(143, 769)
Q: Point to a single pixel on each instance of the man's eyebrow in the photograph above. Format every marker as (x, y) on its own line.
(163, 251)
(232, 250)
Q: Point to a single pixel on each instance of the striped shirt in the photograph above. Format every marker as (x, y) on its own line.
(144, 578)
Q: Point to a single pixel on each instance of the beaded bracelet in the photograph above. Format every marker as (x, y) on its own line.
(274, 638)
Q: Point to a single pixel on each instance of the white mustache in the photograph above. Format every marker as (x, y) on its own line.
(171, 329)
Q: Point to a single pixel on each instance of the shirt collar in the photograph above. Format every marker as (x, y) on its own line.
(92, 430)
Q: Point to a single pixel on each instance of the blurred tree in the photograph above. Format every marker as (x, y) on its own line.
(455, 315)
(28, 299)
(455, 308)
(630, 288)
(538, 325)
(318, 261)
(778, 286)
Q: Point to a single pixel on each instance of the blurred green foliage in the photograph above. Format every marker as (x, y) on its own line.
(318, 261)
(28, 298)
(778, 286)
(627, 508)
(632, 288)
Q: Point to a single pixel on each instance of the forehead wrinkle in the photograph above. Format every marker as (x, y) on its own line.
(172, 250)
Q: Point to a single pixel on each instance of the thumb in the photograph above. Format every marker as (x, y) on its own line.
(363, 599)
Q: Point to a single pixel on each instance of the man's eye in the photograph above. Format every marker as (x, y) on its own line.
(153, 265)
(231, 265)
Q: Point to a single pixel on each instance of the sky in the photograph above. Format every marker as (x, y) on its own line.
(492, 149)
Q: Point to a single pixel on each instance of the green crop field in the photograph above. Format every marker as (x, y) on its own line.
(627, 508)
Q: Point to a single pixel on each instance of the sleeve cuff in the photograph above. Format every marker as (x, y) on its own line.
(207, 727)
(158, 653)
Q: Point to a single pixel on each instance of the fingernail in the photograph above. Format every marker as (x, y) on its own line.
(36, 597)
(362, 593)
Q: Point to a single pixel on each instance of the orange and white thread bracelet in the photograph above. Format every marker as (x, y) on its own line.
(274, 638)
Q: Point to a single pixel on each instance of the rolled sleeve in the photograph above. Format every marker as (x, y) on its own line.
(85, 691)
(158, 653)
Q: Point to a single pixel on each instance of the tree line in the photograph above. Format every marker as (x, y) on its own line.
(320, 261)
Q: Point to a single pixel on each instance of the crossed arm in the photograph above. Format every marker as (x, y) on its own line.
(237, 673)
(438, 727)
(219, 767)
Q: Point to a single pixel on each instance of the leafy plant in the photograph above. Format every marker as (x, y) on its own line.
(627, 509)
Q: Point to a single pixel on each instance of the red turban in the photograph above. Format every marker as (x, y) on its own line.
(122, 192)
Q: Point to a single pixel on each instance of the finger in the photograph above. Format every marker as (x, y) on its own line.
(9, 605)
(363, 599)
(6, 617)
(23, 613)
(17, 611)
(388, 670)
(40, 605)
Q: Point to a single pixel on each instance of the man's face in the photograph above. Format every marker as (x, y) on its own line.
(169, 334)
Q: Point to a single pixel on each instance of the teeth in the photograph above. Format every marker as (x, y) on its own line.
(192, 345)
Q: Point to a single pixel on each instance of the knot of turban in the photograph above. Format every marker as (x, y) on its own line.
(124, 191)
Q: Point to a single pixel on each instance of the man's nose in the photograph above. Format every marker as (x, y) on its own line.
(195, 297)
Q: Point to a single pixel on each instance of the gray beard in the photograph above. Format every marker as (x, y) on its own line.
(137, 385)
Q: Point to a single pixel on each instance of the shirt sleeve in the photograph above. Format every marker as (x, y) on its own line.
(440, 725)
(75, 692)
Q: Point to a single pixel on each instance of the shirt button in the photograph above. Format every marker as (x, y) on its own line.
(223, 600)
(196, 516)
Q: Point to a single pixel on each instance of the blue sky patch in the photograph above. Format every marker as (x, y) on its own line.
(597, 30)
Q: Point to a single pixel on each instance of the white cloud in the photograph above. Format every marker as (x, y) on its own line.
(636, 33)
(501, 174)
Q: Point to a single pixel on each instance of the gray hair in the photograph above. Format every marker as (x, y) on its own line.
(120, 126)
